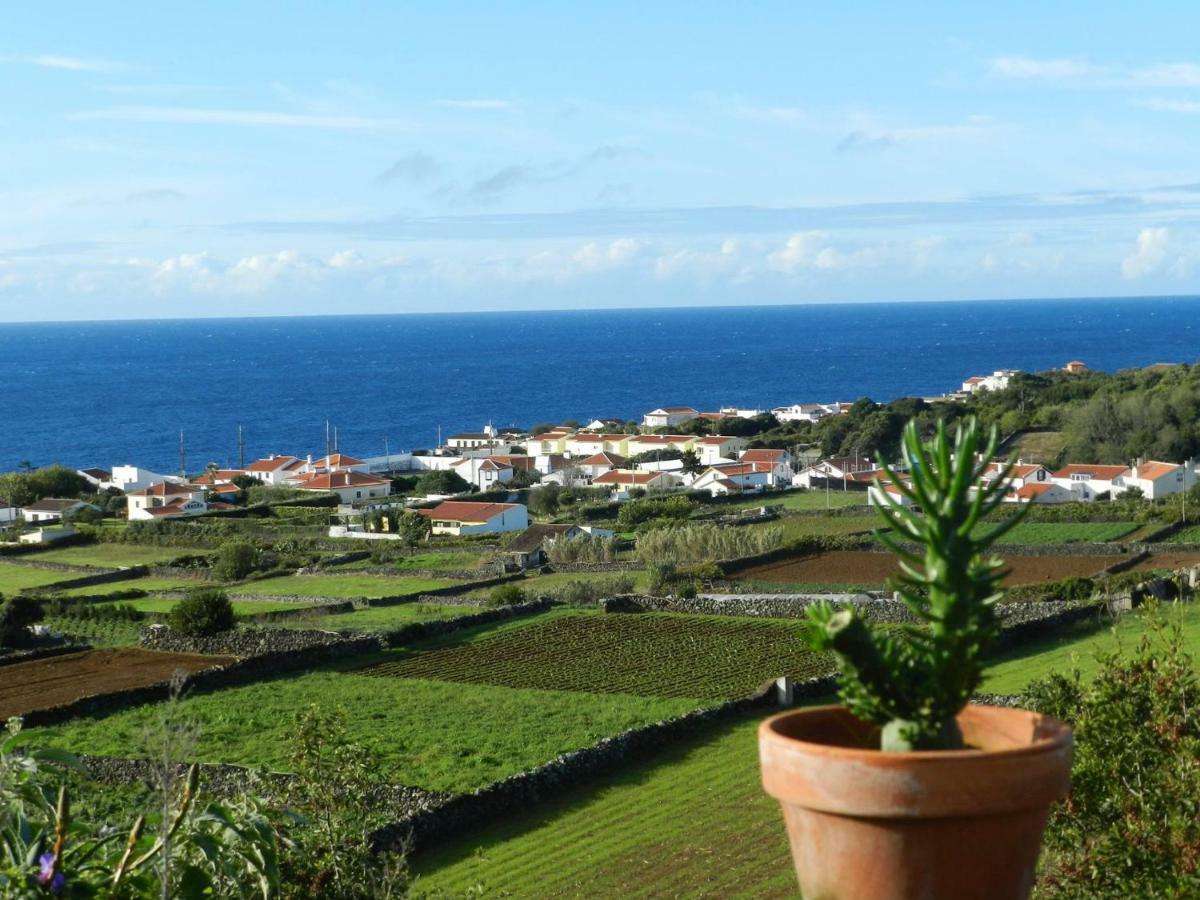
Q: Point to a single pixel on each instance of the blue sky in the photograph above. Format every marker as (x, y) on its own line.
(279, 159)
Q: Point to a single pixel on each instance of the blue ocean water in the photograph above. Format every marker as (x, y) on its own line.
(108, 393)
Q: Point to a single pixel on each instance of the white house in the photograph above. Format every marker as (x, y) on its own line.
(336, 462)
(8, 512)
(484, 473)
(460, 517)
(647, 443)
(1041, 492)
(780, 461)
(733, 476)
(52, 509)
(622, 481)
(997, 381)
(474, 440)
(599, 463)
(1085, 481)
(736, 412)
(666, 416)
(800, 412)
(98, 478)
(165, 500)
(349, 486)
(276, 470)
(881, 492)
(1022, 474)
(835, 468)
(1154, 479)
(718, 448)
(131, 478)
(548, 442)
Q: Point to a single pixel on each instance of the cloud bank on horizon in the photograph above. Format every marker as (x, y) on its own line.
(163, 163)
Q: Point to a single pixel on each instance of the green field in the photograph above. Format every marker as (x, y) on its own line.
(454, 561)
(347, 585)
(160, 606)
(1077, 649)
(1030, 533)
(1186, 536)
(98, 634)
(797, 499)
(794, 527)
(149, 583)
(114, 555)
(377, 618)
(650, 654)
(440, 736)
(14, 578)
(691, 822)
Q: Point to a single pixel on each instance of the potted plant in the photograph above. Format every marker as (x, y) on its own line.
(908, 790)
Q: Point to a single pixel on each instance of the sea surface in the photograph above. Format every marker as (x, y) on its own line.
(111, 393)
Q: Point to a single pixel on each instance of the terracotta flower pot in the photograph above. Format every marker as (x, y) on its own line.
(933, 825)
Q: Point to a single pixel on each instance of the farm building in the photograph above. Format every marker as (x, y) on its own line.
(463, 517)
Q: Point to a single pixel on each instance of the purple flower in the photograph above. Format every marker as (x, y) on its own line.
(47, 876)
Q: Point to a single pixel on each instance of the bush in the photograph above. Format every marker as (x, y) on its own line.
(662, 579)
(705, 543)
(506, 595)
(442, 482)
(1131, 826)
(635, 512)
(16, 615)
(201, 613)
(234, 560)
(587, 591)
(585, 548)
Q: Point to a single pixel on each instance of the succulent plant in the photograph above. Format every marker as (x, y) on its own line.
(912, 680)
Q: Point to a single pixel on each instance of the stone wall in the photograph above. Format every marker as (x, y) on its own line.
(107, 577)
(586, 567)
(247, 642)
(35, 563)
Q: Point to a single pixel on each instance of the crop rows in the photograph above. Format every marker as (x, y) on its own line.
(653, 655)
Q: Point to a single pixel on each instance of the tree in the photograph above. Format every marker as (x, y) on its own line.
(691, 461)
(413, 528)
(202, 612)
(234, 560)
(543, 500)
(17, 613)
(442, 482)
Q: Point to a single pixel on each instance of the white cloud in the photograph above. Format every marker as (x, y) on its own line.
(593, 256)
(476, 103)
(1149, 254)
(811, 250)
(171, 115)
(1082, 73)
(65, 63)
(1166, 104)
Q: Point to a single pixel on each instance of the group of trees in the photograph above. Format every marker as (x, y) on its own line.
(23, 488)
(412, 527)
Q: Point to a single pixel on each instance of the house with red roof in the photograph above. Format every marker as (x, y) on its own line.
(598, 463)
(1085, 481)
(166, 500)
(277, 470)
(781, 462)
(622, 481)
(1040, 492)
(463, 517)
(666, 416)
(349, 486)
(734, 477)
(1154, 479)
(485, 473)
(718, 448)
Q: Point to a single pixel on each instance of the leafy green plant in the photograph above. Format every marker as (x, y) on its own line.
(202, 612)
(913, 681)
(506, 595)
(234, 560)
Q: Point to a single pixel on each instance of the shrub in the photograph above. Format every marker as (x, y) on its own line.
(442, 482)
(506, 595)
(705, 543)
(1131, 827)
(662, 579)
(234, 560)
(586, 591)
(585, 548)
(202, 612)
(16, 615)
(635, 512)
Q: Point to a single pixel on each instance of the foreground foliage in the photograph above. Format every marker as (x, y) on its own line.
(1131, 825)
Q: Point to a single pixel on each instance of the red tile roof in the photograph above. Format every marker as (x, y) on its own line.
(332, 481)
(618, 476)
(763, 455)
(270, 465)
(164, 489)
(1152, 470)
(337, 461)
(465, 511)
(1102, 473)
(604, 459)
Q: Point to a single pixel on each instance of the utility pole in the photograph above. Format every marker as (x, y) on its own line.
(241, 448)
(335, 437)
(326, 437)
(182, 458)
(387, 455)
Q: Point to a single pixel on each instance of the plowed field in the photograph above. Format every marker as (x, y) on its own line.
(56, 680)
(864, 567)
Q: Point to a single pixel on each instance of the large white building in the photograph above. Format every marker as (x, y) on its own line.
(349, 486)
(132, 478)
(1154, 479)
(997, 381)
(666, 416)
(166, 500)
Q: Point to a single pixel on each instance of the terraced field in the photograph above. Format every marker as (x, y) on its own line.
(437, 735)
(691, 822)
(114, 555)
(341, 585)
(379, 618)
(1186, 536)
(1038, 533)
(161, 606)
(15, 578)
(653, 655)
(149, 584)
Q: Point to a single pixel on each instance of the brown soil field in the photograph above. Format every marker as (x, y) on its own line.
(867, 568)
(1168, 561)
(57, 680)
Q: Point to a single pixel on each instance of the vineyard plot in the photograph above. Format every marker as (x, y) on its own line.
(653, 655)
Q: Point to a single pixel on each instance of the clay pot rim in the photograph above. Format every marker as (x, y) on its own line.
(768, 732)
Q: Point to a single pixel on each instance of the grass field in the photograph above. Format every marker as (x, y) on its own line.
(794, 527)
(691, 822)
(454, 561)
(15, 578)
(149, 583)
(538, 585)
(98, 634)
(1031, 533)
(114, 555)
(1077, 649)
(1186, 536)
(346, 585)
(1042, 447)
(440, 736)
(379, 618)
(653, 654)
(161, 606)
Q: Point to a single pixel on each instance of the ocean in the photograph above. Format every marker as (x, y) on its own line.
(111, 393)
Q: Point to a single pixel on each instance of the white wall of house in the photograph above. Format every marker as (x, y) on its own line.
(516, 518)
(131, 478)
(1154, 488)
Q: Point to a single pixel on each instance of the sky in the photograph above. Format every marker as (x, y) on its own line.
(238, 159)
